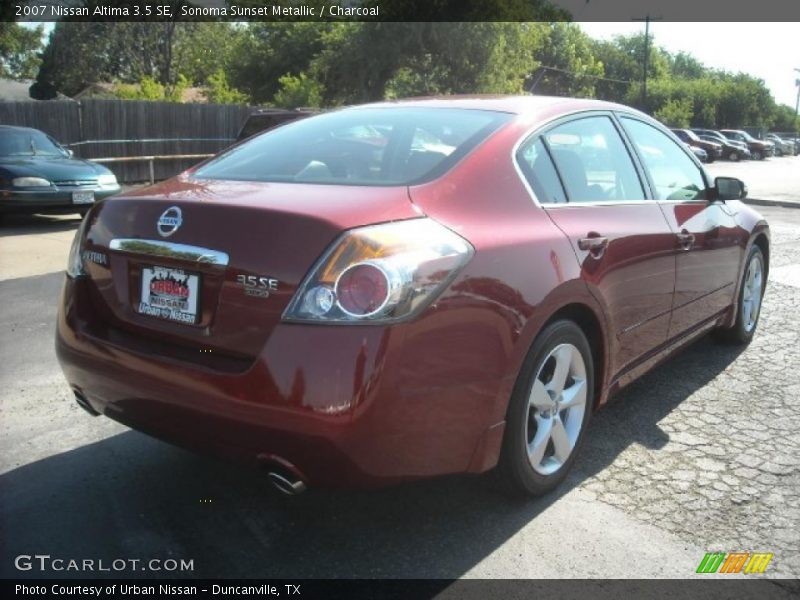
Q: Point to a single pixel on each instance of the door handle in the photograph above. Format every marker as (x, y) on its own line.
(685, 239)
(595, 244)
(592, 243)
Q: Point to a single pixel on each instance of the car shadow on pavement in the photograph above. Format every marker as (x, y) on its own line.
(13, 225)
(130, 496)
(633, 416)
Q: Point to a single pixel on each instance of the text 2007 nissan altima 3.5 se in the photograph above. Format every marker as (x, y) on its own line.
(410, 289)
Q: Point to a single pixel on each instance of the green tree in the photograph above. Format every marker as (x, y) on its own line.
(686, 66)
(784, 118)
(19, 51)
(298, 90)
(79, 54)
(568, 49)
(219, 91)
(675, 113)
(203, 50)
(407, 59)
(267, 51)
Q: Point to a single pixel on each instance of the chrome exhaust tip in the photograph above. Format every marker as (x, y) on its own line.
(290, 487)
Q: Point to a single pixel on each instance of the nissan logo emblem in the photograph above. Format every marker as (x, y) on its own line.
(169, 221)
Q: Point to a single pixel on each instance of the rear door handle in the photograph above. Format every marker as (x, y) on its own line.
(593, 244)
(685, 239)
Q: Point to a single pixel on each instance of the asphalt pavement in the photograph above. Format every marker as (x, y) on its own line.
(702, 454)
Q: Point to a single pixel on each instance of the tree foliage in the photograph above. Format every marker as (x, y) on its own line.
(334, 63)
(298, 91)
(567, 48)
(19, 51)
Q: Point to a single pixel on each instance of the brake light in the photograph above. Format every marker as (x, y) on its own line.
(75, 257)
(380, 273)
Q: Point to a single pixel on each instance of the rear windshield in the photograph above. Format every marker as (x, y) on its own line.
(365, 146)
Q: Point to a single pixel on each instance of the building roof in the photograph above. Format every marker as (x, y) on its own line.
(12, 90)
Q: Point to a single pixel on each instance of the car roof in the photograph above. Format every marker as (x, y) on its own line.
(508, 104)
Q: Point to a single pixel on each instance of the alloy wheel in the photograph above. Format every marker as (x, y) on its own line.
(752, 293)
(556, 408)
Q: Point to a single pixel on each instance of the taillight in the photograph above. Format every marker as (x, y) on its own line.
(75, 257)
(380, 273)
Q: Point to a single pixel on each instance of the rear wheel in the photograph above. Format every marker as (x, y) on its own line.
(549, 410)
(758, 155)
(751, 293)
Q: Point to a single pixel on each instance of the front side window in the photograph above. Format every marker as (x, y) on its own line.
(365, 146)
(674, 175)
(592, 161)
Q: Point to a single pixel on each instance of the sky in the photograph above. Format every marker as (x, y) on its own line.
(773, 55)
(728, 46)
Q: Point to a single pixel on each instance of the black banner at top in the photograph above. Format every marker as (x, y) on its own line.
(399, 10)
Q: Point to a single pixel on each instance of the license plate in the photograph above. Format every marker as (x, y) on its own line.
(169, 294)
(83, 197)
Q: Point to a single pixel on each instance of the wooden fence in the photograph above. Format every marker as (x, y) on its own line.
(119, 128)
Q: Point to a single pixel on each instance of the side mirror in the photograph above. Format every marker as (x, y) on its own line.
(70, 153)
(729, 188)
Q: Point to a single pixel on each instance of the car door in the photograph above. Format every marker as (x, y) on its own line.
(707, 248)
(586, 180)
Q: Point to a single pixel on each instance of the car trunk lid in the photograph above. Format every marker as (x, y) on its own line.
(237, 256)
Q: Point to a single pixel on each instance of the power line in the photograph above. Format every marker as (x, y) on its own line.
(544, 69)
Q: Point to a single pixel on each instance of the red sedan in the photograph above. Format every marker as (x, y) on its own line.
(458, 298)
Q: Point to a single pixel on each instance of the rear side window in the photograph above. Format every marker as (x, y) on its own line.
(593, 162)
(365, 146)
(674, 174)
(538, 169)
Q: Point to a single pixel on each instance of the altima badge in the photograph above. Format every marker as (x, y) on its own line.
(169, 221)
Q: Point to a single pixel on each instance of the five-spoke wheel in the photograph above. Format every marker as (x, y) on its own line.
(549, 410)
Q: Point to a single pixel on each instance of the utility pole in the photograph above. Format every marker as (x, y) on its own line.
(646, 20)
(797, 102)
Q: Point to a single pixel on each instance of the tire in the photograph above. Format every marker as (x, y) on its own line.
(540, 407)
(750, 295)
(734, 156)
(758, 155)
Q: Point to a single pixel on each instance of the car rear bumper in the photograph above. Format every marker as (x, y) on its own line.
(19, 201)
(363, 416)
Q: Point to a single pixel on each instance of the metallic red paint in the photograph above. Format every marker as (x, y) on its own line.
(374, 404)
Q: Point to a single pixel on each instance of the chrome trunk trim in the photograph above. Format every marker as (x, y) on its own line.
(170, 250)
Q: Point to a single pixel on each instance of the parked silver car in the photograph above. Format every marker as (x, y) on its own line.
(782, 147)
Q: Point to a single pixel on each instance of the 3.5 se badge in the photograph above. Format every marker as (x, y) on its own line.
(257, 286)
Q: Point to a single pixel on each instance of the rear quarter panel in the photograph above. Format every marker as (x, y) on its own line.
(523, 271)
